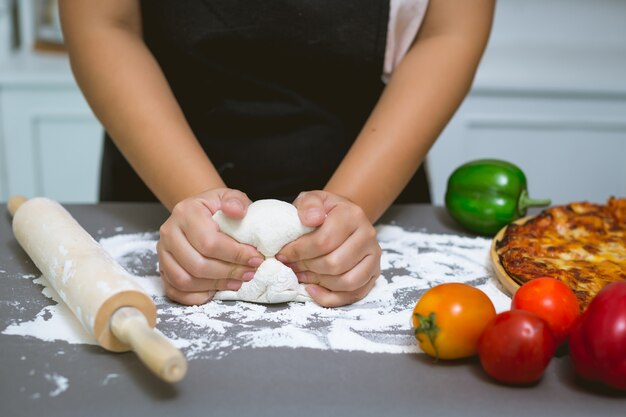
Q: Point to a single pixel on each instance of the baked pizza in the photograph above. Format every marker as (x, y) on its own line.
(582, 244)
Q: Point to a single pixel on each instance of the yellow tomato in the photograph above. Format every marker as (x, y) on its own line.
(449, 318)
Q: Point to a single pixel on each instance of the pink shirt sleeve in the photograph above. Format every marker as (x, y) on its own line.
(405, 19)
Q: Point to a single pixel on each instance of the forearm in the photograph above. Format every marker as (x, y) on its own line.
(420, 98)
(422, 95)
(129, 94)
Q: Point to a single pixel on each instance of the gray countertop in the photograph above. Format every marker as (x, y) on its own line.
(262, 381)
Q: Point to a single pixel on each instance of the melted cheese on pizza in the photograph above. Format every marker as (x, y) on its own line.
(582, 244)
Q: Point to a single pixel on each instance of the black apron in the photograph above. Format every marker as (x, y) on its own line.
(275, 91)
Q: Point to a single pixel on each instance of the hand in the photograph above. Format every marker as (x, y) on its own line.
(340, 260)
(195, 258)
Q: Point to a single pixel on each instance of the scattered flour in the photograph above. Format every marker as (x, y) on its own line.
(411, 263)
(61, 384)
(53, 322)
(109, 378)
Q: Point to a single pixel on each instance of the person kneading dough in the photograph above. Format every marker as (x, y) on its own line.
(268, 226)
(210, 105)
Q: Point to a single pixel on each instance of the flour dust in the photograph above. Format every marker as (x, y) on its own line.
(411, 263)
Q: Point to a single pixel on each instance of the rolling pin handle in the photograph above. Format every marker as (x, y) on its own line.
(130, 326)
(14, 203)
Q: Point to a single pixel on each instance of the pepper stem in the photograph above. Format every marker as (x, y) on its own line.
(524, 202)
(428, 327)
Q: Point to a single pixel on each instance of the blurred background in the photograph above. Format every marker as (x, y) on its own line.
(550, 96)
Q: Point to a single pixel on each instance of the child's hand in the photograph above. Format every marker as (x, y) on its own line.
(195, 258)
(341, 259)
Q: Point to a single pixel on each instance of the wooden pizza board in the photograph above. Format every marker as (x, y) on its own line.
(509, 284)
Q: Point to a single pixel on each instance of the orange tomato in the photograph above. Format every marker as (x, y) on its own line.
(449, 318)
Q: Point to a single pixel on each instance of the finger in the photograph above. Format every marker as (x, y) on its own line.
(328, 237)
(327, 298)
(310, 207)
(206, 241)
(200, 267)
(188, 298)
(201, 231)
(182, 280)
(234, 203)
(358, 245)
(352, 280)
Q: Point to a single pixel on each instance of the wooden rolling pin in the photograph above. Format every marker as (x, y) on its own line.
(102, 295)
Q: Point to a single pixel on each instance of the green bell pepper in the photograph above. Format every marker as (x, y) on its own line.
(487, 194)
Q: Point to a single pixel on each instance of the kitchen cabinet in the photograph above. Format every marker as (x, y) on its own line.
(50, 142)
(571, 146)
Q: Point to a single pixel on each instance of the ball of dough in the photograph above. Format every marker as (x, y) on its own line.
(273, 282)
(268, 226)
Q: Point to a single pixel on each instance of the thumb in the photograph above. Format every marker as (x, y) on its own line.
(234, 204)
(310, 207)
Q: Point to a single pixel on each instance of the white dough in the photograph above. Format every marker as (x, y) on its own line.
(273, 282)
(268, 226)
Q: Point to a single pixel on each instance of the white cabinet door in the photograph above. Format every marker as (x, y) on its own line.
(52, 143)
(571, 148)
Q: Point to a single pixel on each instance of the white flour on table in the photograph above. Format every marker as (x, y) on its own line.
(411, 263)
(60, 382)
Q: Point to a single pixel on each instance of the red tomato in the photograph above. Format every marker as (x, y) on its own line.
(449, 318)
(551, 300)
(598, 341)
(516, 347)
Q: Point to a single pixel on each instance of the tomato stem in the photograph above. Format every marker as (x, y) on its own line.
(428, 327)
